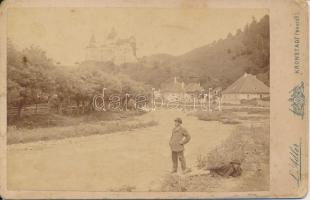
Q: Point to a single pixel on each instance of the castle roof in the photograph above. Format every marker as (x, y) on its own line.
(92, 42)
(112, 35)
(247, 84)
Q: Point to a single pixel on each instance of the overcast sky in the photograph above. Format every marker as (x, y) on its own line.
(64, 33)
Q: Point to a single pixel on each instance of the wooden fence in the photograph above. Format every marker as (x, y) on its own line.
(43, 108)
(28, 110)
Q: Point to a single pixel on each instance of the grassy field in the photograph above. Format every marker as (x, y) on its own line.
(140, 159)
(233, 116)
(56, 120)
(54, 127)
(134, 160)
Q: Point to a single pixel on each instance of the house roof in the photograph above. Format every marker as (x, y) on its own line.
(92, 42)
(247, 84)
(193, 87)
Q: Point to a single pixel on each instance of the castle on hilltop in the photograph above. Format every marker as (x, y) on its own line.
(114, 49)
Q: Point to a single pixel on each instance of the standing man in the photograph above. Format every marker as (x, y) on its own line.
(178, 139)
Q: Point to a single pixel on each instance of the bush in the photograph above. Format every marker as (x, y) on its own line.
(208, 116)
(248, 145)
(221, 116)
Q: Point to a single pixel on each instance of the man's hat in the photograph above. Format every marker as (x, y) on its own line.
(178, 120)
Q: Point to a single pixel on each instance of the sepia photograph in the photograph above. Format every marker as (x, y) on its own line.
(138, 99)
(107, 99)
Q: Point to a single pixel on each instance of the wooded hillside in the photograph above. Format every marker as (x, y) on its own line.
(217, 64)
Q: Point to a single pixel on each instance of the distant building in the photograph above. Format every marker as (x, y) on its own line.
(173, 90)
(247, 87)
(193, 88)
(114, 49)
(180, 90)
(92, 50)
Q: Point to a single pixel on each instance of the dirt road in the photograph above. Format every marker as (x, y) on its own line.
(138, 159)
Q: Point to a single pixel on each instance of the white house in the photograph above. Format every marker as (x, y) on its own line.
(247, 87)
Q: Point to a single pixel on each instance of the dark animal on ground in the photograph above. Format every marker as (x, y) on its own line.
(232, 169)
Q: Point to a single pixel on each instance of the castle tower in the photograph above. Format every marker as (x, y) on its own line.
(109, 48)
(114, 49)
(92, 51)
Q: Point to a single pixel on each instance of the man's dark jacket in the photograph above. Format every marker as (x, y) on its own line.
(178, 138)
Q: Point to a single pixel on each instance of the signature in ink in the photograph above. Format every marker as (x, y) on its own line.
(295, 162)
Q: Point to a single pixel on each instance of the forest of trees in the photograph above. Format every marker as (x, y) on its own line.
(33, 79)
(217, 64)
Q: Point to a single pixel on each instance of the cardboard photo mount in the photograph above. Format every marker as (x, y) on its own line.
(288, 79)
